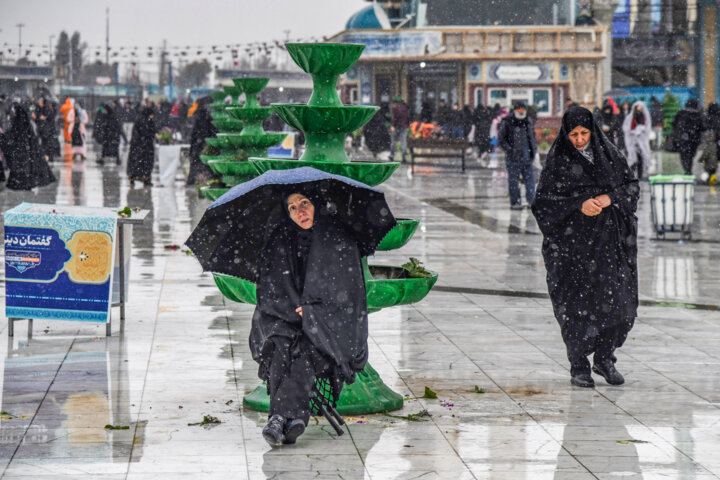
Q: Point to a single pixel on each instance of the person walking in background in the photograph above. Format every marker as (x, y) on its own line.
(141, 157)
(687, 133)
(68, 114)
(637, 128)
(21, 149)
(482, 119)
(112, 132)
(456, 122)
(713, 135)
(99, 128)
(399, 123)
(585, 207)
(609, 123)
(426, 112)
(516, 136)
(657, 117)
(444, 118)
(78, 132)
(203, 128)
(127, 118)
(46, 129)
(377, 135)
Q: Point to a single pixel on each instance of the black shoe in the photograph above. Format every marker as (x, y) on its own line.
(583, 380)
(516, 206)
(273, 431)
(608, 371)
(293, 429)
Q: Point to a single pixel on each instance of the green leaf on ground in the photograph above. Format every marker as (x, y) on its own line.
(413, 417)
(207, 420)
(479, 390)
(632, 440)
(116, 427)
(429, 393)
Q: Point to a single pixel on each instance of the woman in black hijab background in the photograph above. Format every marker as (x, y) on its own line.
(585, 207)
(142, 149)
(203, 128)
(311, 316)
(21, 149)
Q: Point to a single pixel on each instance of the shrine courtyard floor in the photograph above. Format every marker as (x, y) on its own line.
(485, 340)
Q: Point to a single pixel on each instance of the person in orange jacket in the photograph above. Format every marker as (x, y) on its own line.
(68, 114)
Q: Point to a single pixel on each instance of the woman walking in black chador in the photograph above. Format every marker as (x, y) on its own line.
(311, 315)
(585, 206)
(142, 149)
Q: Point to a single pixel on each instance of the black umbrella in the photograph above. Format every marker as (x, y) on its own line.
(231, 234)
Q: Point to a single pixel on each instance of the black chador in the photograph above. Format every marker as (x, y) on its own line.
(21, 149)
(320, 270)
(142, 148)
(591, 261)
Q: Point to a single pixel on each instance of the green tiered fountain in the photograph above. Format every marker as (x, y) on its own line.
(240, 135)
(325, 122)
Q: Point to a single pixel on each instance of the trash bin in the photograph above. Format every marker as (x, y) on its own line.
(671, 201)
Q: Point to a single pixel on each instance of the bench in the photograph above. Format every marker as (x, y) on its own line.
(438, 148)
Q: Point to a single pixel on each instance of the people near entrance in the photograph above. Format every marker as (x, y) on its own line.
(399, 123)
(22, 153)
(609, 123)
(687, 133)
(657, 117)
(482, 120)
(585, 207)
(637, 129)
(516, 136)
(78, 132)
(712, 138)
(141, 157)
(444, 118)
(311, 316)
(456, 122)
(377, 133)
(426, 112)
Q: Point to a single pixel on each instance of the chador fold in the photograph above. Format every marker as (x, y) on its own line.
(585, 207)
(311, 315)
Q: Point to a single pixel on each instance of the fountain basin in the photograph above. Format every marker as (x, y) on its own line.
(369, 173)
(220, 158)
(213, 193)
(249, 114)
(215, 142)
(324, 119)
(260, 141)
(218, 96)
(251, 85)
(399, 235)
(227, 124)
(232, 167)
(389, 287)
(325, 58)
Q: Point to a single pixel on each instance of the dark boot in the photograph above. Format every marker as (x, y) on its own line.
(608, 371)
(293, 429)
(580, 374)
(273, 431)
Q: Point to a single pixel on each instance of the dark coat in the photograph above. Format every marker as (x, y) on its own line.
(610, 124)
(321, 271)
(111, 133)
(377, 135)
(400, 116)
(202, 129)
(482, 119)
(510, 138)
(21, 150)
(591, 261)
(47, 130)
(142, 148)
(688, 126)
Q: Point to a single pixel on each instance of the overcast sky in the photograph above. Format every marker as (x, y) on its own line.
(180, 22)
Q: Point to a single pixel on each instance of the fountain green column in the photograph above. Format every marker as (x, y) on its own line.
(240, 134)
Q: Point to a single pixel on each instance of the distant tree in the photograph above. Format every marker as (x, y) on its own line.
(25, 62)
(78, 50)
(62, 53)
(264, 63)
(194, 74)
(98, 69)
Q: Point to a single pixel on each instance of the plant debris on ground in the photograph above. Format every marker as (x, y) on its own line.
(479, 390)
(413, 417)
(429, 393)
(116, 427)
(125, 212)
(207, 420)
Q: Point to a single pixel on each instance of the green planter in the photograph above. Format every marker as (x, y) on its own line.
(399, 235)
(369, 173)
(212, 193)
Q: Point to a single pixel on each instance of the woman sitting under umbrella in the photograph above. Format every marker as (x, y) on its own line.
(311, 315)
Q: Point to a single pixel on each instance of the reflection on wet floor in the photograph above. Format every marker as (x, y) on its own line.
(485, 340)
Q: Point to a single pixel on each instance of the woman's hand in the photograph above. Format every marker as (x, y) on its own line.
(299, 311)
(591, 207)
(604, 200)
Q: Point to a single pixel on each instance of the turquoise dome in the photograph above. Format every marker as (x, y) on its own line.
(365, 18)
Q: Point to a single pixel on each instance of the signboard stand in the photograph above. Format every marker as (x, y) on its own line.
(65, 277)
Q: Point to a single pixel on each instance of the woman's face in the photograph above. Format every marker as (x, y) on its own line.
(301, 210)
(579, 137)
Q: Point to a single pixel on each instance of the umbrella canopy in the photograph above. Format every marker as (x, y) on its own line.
(617, 92)
(233, 230)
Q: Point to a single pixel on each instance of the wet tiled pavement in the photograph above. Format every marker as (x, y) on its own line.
(485, 340)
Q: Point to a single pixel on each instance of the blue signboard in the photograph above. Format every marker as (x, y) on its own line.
(59, 262)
